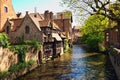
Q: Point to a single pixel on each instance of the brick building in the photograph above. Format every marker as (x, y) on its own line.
(76, 34)
(112, 37)
(45, 28)
(6, 11)
(38, 27)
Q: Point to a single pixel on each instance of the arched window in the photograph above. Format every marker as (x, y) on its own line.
(5, 9)
(7, 29)
(27, 29)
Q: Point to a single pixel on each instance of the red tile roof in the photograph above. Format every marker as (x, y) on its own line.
(44, 23)
(15, 23)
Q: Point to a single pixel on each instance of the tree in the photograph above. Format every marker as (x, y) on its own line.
(85, 7)
(92, 31)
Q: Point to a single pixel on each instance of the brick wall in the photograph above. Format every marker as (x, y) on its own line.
(3, 14)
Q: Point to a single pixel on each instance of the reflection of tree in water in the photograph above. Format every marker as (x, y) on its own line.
(73, 66)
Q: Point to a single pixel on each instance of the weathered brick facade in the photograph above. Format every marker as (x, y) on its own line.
(33, 31)
(6, 11)
(112, 37)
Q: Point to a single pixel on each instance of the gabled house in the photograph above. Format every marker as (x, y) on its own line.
(52, 40)
(35, 26)
(26, 28)
(76, 30)
(65, 24)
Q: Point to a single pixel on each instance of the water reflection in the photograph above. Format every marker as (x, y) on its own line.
(78, 65)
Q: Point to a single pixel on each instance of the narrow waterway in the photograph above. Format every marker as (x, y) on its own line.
(77, 65)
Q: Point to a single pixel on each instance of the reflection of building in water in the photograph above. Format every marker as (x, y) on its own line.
(76, 34)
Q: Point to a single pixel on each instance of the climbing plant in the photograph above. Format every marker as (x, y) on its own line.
(4, 40)
(21, 50)
(34, 43)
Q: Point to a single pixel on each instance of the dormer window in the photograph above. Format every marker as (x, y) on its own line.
(27, 29)
(5, 9)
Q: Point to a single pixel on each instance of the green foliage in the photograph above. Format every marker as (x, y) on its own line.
(68, 14)
(4, 40)
(95, 24)
(115, 8)
(31, 62)
(34, 43)
(21, 50)
(92, 31)
(67, 48)
(21, 40)
(21, 65)
(3, 74)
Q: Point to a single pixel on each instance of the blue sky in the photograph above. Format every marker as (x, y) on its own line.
(41, 5)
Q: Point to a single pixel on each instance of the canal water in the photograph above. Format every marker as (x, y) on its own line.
(77, 65)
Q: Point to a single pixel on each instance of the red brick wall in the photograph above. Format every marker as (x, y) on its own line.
(113, 37)
(4, 15)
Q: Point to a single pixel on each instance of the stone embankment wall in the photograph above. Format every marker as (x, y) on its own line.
(9, 58)
(114, 54)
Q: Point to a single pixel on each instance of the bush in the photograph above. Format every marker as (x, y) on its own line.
(34, 43)
(21, 50)
(31, 62)
(67, 48)
(94, 42)
(21, 65)
(3, 74)
(4, 40)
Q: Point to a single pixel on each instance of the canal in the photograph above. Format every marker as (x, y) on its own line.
(77, 65)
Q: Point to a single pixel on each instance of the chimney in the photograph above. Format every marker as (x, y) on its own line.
(51, 15)
(26, 12)
(46, 15)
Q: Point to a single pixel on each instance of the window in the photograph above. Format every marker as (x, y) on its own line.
(27, 29)
(5, 9)
(35, 15)
(7, 29)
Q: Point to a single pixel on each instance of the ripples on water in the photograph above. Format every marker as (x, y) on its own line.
(78, 65)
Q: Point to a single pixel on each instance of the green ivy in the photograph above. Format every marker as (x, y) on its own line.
(34, 43)
(3, 74)
(4, 40)
(67, 48)
(21, 65)
(21, 40)
(21, 50)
